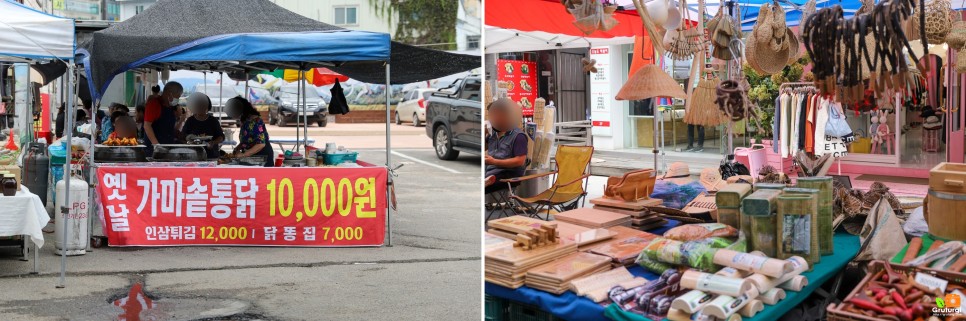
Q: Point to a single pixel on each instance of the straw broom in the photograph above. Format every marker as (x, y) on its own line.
(701, 108)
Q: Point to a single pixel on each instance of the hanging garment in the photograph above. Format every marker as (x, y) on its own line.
(803, 108)
(776, 125)
(809, 125)
(793, 121)
(786, 101)
(821, 117)
(933, 79)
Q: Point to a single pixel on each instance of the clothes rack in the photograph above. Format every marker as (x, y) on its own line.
(799, 85)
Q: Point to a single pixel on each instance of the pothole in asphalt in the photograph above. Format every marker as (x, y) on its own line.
(137, 305)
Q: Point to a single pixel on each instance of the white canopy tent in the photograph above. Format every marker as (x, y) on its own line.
(29, 34)
(33, 36)
(509, 40)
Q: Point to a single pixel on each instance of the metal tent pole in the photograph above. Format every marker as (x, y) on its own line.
(221, 99)
(388, 155)
(305, 115)
(654, 111)
(64, 209)
(298, 95)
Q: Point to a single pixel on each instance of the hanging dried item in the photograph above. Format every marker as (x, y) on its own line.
(723, 32)
(957, 35)
(939, 20)
(731, 99)
(700, 109)
(685, 40)
(590, 65)
(769, 47)
(870, 45)
(961, 61)
(590, 16)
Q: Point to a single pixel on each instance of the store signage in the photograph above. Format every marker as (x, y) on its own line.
(313, 207)
(601, 100)
(520, 80)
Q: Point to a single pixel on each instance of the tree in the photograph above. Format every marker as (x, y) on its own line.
(421, 22)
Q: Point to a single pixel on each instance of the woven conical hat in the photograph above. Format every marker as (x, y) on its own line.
(649, 82)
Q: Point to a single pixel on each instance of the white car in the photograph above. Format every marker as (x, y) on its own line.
(413, 107)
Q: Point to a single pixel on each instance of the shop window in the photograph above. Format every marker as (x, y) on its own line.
(472, 42)
(346, 15)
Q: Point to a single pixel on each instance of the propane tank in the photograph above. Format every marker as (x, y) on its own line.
(75, 223)
(36, 168)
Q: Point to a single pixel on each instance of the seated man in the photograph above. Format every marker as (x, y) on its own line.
(506, 146)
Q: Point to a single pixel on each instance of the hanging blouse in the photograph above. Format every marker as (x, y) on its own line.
(786, 101)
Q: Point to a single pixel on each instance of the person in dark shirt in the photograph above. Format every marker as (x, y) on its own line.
(506, 147)
(59, 121)
(201, 123)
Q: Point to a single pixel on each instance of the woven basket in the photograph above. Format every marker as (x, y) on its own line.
(961, 61)
(939, 19)
(957, 35)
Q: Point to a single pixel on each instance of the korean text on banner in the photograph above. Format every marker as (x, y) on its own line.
(255, 207)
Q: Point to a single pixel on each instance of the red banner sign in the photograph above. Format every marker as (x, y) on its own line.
(521, 82)
(153, 206)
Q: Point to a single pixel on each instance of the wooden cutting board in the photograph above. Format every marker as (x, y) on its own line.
(634, 206)
(590, 217)
(519, 257)
(492, 242)
(631, 213)
(620, 250)
(589, 283)
(569, 267)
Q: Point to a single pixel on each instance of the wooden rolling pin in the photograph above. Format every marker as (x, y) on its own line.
(751, 309)
(715, 283)
(692, 301)
(935, 245)
(724, 306)
(765, 283)
(749, 262)
(959, 265)
(772, 296)
(913, 250)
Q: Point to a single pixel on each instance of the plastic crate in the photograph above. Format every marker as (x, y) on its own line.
(496, 308)
(523, 312)
(336, 159)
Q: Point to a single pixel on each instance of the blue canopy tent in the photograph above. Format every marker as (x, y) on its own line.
(252, 36)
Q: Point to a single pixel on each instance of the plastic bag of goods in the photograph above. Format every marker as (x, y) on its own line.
(676, 196)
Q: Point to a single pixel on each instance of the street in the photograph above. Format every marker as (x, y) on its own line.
(431, 271)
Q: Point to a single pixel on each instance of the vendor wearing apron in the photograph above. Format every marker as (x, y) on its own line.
(252, 136)
(159, 118)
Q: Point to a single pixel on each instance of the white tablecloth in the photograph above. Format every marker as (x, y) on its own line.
(23, 214)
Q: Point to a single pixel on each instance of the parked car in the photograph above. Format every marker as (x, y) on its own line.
(289, 108)
(413, 107)
(454, 117)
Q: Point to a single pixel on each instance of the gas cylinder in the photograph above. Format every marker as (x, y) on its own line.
(75, 222)
(35, 169)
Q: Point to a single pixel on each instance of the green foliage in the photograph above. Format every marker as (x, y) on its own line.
(421, 22)
(764, 90)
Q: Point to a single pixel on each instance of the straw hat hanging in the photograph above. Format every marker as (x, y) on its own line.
(649, 82)
(769, 47)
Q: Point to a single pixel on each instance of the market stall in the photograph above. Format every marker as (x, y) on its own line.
(234, 204)
(29, 37)
(778, 227)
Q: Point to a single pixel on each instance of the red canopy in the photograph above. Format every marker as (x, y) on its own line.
(552, 17)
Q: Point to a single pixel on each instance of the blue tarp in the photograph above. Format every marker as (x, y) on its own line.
(348, 45)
